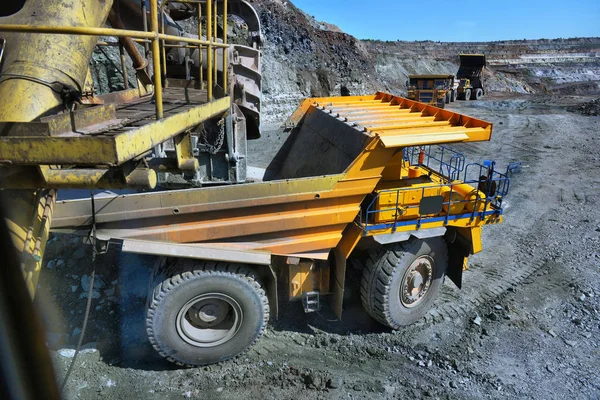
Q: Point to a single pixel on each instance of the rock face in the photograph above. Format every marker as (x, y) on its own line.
(306, 58)
(303, 57)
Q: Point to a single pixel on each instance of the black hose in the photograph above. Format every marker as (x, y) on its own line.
(89, 295)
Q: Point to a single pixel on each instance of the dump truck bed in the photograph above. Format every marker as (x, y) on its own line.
(471, 65)
(332, 159)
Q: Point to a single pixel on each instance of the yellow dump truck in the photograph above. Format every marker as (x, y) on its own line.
(470, 77)
(437, 90)
(365, 172)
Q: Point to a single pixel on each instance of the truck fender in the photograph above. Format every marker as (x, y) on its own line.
(461, 242)
(404, 236)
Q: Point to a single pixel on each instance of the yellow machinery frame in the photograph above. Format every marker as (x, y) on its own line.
(34, 154)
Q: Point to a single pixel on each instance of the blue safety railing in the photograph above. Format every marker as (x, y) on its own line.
(447, 162)
(490, 182)
(485, 180)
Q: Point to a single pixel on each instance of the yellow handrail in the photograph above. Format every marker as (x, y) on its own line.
(225, 42)
(155, 36)
(209, 52)
(88, 31)
(156, 60)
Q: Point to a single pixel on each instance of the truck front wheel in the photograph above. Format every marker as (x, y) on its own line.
(205, 312)
(401, 281)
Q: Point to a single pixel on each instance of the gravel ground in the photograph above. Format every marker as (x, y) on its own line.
(525, 325)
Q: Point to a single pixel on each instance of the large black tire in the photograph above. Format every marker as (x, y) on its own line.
(391, 272)
(202, 312)
(478, 94)
(468, 94)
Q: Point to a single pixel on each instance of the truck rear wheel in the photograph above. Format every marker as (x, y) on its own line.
(401, 281)
(468, 94)
(205, 312)
(478, 94)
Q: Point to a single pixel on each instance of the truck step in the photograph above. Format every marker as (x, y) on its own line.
(311, 302)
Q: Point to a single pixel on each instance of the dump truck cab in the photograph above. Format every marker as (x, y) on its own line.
(470, 77)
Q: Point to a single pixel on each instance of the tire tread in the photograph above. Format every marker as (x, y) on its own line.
(377, 279)
(170, 279)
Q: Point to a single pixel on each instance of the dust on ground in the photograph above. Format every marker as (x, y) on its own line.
(525, 325)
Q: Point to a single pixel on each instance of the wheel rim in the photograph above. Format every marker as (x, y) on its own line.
(209, 320)
(416, 281)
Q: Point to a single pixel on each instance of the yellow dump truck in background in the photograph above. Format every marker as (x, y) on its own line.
(470, 77)
(437, 90)
(442, 89)
(356, 174)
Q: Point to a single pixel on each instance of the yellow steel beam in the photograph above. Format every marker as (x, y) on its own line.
(29, 214)
(351, 236)
(391, 119)
(473, 235)
(184, 153)
(402, 122)
(397, 112)
(343, 99)
(105, 150)
(354, 102)
(299, 278)
(401, 127)
(421, 140)
(225, 61)
(76, 30)
(473, 133)
(90, 31)
(361, 108)
(305, 245)
(77, 212)
(215, 59)
(284, 218)
(156, 60)
(209, 52)
(201, 61)
(44, 177)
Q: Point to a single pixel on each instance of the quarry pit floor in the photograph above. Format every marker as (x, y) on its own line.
(525, 325)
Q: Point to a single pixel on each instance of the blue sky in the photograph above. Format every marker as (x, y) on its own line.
(459, 21)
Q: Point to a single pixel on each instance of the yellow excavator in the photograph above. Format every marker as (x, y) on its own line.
(369, 174)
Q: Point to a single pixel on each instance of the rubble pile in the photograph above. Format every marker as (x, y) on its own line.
(592, 108)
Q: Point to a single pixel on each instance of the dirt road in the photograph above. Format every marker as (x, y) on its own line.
(525, 325)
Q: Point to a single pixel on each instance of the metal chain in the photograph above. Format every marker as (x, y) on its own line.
(214, 148)
(2, 46)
